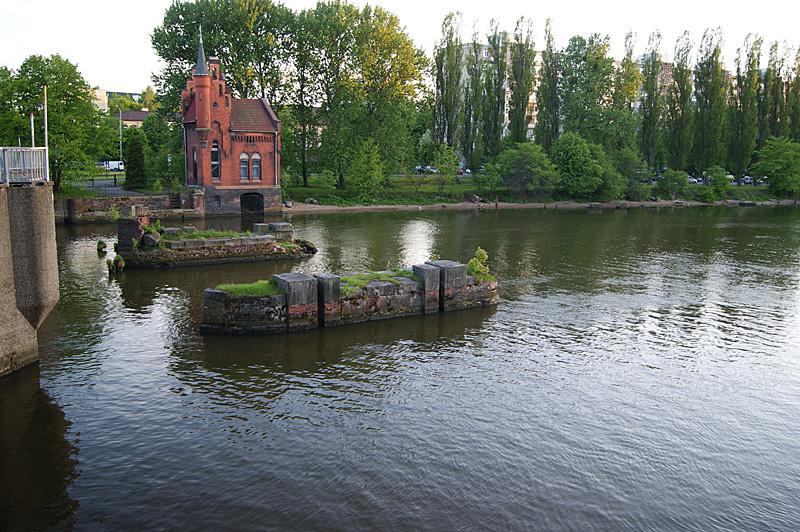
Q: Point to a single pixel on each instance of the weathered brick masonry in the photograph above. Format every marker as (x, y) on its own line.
(315, 301)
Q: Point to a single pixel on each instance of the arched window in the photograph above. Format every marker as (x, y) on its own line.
(215, 160)
(194, 164)
(256, 173)
(220, 89)
(244, 167)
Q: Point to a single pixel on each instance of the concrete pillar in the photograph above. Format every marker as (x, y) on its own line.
(18, 345)
(301, 300)
(330, 299)
(33, 244)
(452, 279)
(430, 285)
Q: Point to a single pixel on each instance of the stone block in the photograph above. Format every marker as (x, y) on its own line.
(233, 242)
(329, 299)
(175, 244)
(261, 229)
(151, 240)
(172, 230)
(261, 239)
(283, 231)
(213, 242)
(194, 244)
(189, 229)
(452, 279)
(430, 285)
(301, 300)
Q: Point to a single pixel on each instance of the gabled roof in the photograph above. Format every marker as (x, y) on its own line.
(191, 113)
(253, 116)
(134, 116)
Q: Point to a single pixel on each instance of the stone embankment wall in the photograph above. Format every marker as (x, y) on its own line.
(108, 209)
(323, 300)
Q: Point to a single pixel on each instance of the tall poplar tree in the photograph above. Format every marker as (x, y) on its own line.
(627, 78)
(793, 101)
(744, 98)
(680, 133)
(548, 116)
(473, 103)
(521, 80)
(771, 100)
(494, 108)
(651, 103)
(709, 91)
(448, 75)
(586, 87)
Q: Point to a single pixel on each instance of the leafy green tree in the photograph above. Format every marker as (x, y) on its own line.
(448, 60)
(651, 102)
(613, 184)
(133, 156)
(718, 182)
(446, 162)
(581, 175)
(365, 173)
(525, 167)
(629, 163)
(473, 103)
(745, 106)
(793, 101)
(709, 90)
(628, 78)
(772, 98)
(149, 99)
(521, 79)
(426, 148)
(548, 116)
(586, 87)
(779, 161)
(672, 184)
(679, 111)
(495, 78)
(119, 104)
(71, 111)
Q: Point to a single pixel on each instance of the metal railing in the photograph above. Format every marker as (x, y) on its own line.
(23, 165)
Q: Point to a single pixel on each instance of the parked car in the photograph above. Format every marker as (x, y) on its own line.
(114, 166)
(747, 180)
(692, 181)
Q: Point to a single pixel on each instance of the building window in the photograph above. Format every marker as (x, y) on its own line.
(220, 89)
(194, 164)
(256, 167)
(215, 160)
(244, 167)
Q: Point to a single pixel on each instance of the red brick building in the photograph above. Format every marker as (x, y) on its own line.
(232, 145)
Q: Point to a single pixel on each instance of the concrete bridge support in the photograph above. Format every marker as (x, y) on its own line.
(28, 271)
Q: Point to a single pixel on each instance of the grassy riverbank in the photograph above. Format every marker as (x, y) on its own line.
(417, 190)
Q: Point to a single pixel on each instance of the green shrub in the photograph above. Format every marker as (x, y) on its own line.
(478, 266)
(259, 288)
(113, 213)
(101, 246)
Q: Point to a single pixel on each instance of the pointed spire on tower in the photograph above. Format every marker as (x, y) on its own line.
(202, 67)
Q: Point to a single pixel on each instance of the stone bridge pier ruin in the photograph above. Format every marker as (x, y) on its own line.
(28, 268)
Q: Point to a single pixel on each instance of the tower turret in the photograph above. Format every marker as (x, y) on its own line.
(202, 90)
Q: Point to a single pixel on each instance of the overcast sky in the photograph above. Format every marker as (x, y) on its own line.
(110, 39)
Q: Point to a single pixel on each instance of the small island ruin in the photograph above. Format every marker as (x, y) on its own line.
(144, 243)
(296, 301)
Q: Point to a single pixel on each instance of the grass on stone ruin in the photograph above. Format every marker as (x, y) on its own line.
(206, 233)
(352, 283)
(259, 289)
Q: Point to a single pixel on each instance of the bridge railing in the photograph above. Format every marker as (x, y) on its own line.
(23, 165)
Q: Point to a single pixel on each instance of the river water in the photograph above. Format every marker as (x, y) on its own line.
(641, 371)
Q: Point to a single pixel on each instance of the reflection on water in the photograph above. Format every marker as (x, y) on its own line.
(37, 461)
(641, 371)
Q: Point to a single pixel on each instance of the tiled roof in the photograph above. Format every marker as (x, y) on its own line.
(253, 116)
(134, 116)
(191, 112)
